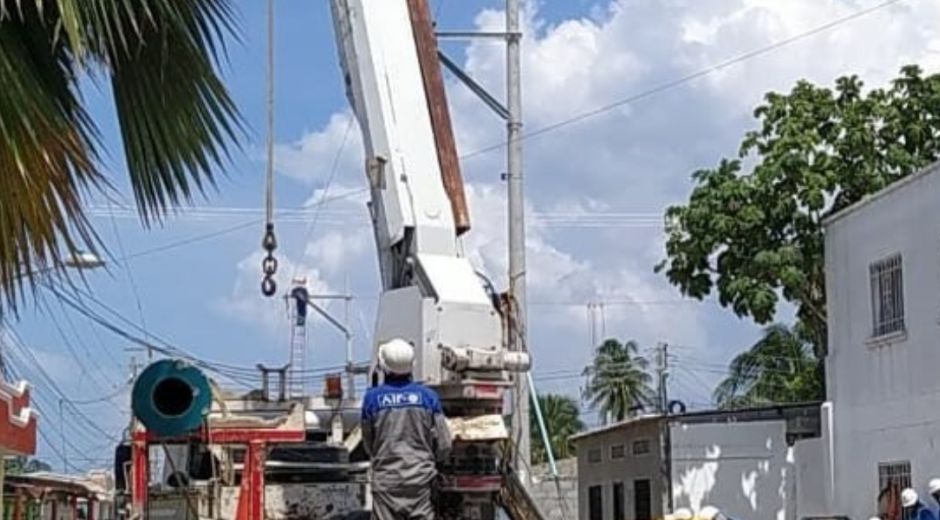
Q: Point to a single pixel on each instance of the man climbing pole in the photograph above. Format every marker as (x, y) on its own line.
(406, 436)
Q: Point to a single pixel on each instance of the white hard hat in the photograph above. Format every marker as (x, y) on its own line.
(683, 513)
(934, 486)
(708, 513)
(669, 516)
(396, 357)
(875, 518)
(908, 497)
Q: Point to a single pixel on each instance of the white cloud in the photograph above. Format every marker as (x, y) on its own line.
(633, 159)
(313, 157)
(246, 303)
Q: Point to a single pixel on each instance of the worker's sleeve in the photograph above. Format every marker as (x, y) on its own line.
(926, 514)
(442, 437)
(367, 424)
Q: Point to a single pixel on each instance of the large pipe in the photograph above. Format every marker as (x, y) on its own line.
(171, 398)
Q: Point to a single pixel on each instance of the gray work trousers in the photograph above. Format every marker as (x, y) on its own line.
(403, 503)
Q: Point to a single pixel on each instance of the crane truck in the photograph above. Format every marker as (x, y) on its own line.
(431, 294)
(258, 453)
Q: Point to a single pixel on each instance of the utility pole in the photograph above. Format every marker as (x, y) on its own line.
(592, 327)
(516, 198)
(662, 371)
(65, 453)
(665, 440)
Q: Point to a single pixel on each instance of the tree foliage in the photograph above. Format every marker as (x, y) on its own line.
(562, 420)
(618, 379)
(752, 228)
(22, 465)
(780, 368)
(176, 118)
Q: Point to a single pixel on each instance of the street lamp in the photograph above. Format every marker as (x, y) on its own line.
(83, 260)
(79, 260)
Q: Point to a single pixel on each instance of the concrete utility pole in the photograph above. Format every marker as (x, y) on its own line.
(516, 197)
(662, 370)
(665, 440)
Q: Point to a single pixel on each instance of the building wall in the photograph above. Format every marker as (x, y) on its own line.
(885, 393)
(809, 459)
(745, 469)
(628, 470)
(556, 500)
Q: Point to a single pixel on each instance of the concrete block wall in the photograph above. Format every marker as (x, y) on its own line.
(556, 505)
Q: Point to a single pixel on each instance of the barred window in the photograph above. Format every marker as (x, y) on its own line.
(887, 296)
(893, 477)
(641, 447)
(616, 451)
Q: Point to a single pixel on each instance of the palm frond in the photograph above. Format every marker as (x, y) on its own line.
(47, 152)
(177, 118)
(779, 367)
(178, 122)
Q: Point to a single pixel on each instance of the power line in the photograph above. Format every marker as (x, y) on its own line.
(130, 274)
(540, 219)
(45, 379)
(101, 384)
(221, 232)
(334, 168)
(687, 78)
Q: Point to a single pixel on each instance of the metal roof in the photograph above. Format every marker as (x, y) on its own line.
(761, 413)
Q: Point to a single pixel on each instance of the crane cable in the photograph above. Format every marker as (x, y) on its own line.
(269, 242)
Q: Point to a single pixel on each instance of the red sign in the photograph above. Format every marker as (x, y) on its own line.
(17, 420)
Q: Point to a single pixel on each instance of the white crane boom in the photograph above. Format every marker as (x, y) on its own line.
(431, 294)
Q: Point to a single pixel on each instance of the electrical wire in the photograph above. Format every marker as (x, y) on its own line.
(129, 272)
(191, 240)
(215, 234)
(35, 372)
(687, 78)
(66, 312)
(334, 167)
(101, 384)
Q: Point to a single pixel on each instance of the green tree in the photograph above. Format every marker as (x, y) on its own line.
(21, 465)
(618, 380)
(754, 233)
(562, 420)
(176, 118)
(780, 368)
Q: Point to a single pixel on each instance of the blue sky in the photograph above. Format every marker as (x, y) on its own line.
(595, 189)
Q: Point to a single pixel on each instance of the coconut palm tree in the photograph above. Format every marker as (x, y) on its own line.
(780, 368)
(562, 420)
(176, 118)
(618, 380)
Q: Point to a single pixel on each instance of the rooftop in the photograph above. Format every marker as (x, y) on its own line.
(762, 413)
(891, 188)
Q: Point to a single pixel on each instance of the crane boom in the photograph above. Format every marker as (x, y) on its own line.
(431, 294)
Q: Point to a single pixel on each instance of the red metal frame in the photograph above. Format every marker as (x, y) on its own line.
(251, 497)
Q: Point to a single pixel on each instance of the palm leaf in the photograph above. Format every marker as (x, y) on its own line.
(780, 367)
(47, 151)
(176, 117)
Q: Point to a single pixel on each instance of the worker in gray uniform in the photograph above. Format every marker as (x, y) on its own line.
(406, 436)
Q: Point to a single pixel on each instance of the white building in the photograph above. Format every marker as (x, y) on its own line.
(755, 464)
(883, 368)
